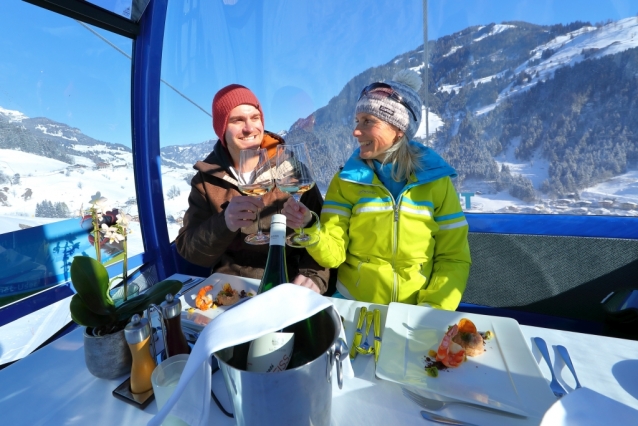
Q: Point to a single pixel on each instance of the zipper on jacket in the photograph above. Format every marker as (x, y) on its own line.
(395, 290)
(395, 233)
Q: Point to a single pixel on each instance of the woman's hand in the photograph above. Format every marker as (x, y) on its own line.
(303, 281)
(297, 215)
(242, 211)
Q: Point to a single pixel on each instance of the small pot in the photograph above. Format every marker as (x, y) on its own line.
(107, 357)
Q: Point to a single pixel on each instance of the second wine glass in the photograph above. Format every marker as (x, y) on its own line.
(294, 175)
(255, 179)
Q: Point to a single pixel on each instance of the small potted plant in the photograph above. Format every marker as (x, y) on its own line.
(106, 353)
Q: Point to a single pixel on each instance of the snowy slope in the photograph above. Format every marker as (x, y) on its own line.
(56, 181)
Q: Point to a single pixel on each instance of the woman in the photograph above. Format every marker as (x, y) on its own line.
(391, 221)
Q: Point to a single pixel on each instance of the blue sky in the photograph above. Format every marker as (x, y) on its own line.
(295, 55)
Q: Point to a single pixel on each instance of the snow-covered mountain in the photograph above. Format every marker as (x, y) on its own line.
(42, 160)
(527, 114)
(186, 155)
(565, 50)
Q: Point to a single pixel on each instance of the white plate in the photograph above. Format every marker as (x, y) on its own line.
(198, 319)
(506, 376)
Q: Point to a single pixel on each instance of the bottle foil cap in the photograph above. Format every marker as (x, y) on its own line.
(278, 218)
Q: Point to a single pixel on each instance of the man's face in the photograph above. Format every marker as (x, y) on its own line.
(244, 130)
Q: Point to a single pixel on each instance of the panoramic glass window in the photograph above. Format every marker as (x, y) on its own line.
(65, 137)
(305, 61)
(537, 101)
(531, 102)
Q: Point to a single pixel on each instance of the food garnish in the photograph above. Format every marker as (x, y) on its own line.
(432, 371)
(470, 339)
(227, 296)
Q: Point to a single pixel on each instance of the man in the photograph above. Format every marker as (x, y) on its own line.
(219, 216)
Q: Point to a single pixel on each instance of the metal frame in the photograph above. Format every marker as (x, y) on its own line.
(146, 72)
(91, 14)
(554, 225)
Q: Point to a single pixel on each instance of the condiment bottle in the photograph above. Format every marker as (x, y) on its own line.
(171, 314)
(138, 335)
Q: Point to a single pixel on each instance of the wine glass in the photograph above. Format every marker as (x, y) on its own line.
(255, 179)
(294, 176)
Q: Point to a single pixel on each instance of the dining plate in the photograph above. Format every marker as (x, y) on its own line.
(506, 376)
(195, 318)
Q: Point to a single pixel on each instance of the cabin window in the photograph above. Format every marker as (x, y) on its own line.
(295, 56)
(537, 105)
(65, 135)
(518, 102)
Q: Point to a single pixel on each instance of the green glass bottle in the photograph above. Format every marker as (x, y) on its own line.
(275, 272)
(305, 347)
(270, 353)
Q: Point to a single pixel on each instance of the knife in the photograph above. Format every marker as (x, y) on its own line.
(358, 333)
(377, 334)
(437, 418)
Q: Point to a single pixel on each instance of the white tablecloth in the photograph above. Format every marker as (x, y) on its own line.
(53, 387)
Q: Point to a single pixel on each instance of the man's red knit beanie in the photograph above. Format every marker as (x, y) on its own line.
(225, 100)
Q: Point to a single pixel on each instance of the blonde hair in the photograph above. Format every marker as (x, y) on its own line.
(404, 159)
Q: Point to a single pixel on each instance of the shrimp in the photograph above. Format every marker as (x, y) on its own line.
(204, 301)
(451, 354)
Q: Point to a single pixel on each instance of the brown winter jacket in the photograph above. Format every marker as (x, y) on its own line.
(206, 240)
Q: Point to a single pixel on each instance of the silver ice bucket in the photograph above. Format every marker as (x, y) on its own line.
(300, 395)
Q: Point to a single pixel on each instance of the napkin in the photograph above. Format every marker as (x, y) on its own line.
(585, 407)
(265, 313)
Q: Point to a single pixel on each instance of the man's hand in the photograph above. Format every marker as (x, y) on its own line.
(297, 215)
(242, 211)
(306, 282)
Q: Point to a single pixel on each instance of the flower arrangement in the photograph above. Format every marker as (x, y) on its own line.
(118, 233)
(95, 214)
(114, 226)
(93, 306)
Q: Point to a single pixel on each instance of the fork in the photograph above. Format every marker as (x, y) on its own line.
(365, 348)
(562, 350)
(435, 404)
(554, 385)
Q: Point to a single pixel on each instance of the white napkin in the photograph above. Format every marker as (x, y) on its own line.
(585, 407)
(271, 311)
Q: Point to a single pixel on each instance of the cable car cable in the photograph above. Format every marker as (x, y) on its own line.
(130, 58)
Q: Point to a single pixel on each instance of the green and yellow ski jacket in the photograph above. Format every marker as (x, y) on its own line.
(412, 250)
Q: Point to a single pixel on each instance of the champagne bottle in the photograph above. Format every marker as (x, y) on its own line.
(275, 272)
(272, 352)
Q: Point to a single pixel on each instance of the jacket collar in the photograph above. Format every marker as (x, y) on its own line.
(432, 167)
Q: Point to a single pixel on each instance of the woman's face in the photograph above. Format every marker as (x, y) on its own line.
(375, 136)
